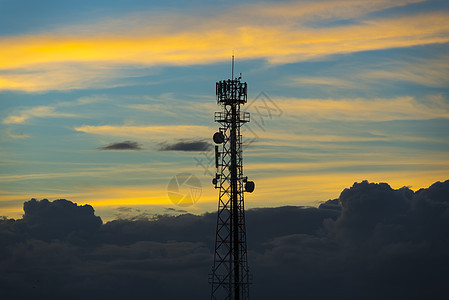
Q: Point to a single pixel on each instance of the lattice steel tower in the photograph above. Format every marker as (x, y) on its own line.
(230, 277)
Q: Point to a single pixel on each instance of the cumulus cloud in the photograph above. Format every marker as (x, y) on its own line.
(126, 145)
(372, 242)
(186, 146)
(59, 219)
(367, 205)
(331, 204)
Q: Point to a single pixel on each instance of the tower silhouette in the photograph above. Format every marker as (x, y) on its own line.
(230, 276)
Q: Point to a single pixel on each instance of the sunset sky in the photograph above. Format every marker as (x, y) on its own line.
(339, 91)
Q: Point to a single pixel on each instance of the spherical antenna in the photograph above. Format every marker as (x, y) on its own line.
(219, 137)
(249, 186)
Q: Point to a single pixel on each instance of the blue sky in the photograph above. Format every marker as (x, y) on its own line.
(356, 91)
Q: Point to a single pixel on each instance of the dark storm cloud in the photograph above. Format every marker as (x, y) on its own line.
(186, 146)
(126, 145)
(59, 219)
(373, 242)
(366, 206)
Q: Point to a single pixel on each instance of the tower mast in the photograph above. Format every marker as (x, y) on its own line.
(230, 272)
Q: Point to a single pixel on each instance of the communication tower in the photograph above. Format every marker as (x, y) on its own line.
(230, 276)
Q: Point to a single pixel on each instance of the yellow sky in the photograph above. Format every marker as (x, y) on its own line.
(361, 100)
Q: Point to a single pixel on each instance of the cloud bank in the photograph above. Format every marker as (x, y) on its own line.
(372, 242)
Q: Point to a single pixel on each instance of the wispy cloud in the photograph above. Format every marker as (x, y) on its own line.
(362, 109)
(48, 61)
(87, 100)
(64, 74)
(35, 112)
(160, 170)
(8, 134)
(147, 132)
(309, 11)
(323, 81)
(432, 72)
(27, 113)
(425, 71)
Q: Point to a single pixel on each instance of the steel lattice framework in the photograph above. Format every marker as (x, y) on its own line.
(230, 277)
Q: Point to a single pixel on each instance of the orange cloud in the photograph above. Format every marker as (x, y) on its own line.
(272, 188)
(151, 132)
(66, 59)
(360, 109)
(313, 188)
(433, 72)
(277, 44)
(39, 111)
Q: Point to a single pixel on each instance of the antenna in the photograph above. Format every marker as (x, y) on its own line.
(232, 75)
